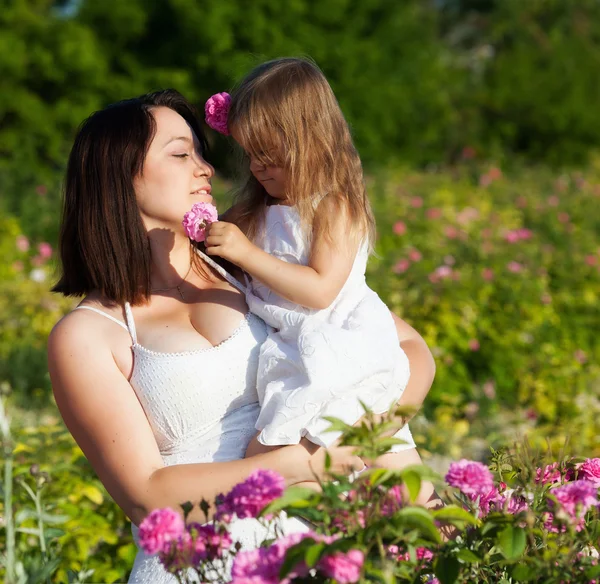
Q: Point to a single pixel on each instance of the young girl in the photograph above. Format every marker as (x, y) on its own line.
(302, 229)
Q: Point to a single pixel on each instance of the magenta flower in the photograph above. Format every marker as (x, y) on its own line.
(250, 497)
(433, 213)
(399, 228)
(208, 542)
(216, 112)
(415, 255)
(22, 243)
(472, 478)
(198, 218)
(591, 260)
(590, 471)
(159, 529)
(514, 267)
(45, 250)
(474, 345)
(550, 474)
(344, 568)
(401, 266)
(262, 565)
(487, 274)
(416, 202)
(576, 497)
(423, 555)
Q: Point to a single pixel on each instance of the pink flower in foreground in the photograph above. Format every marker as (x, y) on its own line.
(208, 542)
(472, 478)
(576, 497)
(250, 497)
(22, 243)
(262, 565)
(399, 228)
(590, 471)
(198, 218)
(344, 568)
(159, 529)
(216, 111)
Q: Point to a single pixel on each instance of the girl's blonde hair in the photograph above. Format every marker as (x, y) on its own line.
(284, 114)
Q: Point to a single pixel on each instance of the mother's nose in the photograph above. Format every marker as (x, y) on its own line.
(203, 168)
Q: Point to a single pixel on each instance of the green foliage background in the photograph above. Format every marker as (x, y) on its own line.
(435, 91)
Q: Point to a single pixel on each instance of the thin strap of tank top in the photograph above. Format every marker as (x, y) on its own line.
(102, 313)
(130, 323)
(221, 271)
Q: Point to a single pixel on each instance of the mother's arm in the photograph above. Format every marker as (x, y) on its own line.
(422, 364)
(107, 421)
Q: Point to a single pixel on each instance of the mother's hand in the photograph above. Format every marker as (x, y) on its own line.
(343, 460)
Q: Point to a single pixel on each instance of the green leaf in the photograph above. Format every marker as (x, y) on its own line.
(453, 514)
(524, 573)
(53, 533)
(313, 554)
(468, 556)
(511, 542)
(297, 497)
(417, 518)
(447, 569)
(41, 575)
(413, 483)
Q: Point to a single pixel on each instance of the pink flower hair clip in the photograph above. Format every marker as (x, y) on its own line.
(216, 111)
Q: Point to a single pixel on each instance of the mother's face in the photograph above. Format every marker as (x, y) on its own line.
(174, 175)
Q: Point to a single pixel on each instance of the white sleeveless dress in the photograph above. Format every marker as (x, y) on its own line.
(202, 406)
(318, 363)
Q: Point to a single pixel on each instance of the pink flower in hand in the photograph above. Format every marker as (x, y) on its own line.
(198, 218)
(159, 529)
(216, 111)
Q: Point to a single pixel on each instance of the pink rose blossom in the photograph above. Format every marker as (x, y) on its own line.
(45, 250)
(401, 266)
(514, 267)
(22, 243)
(549, 475)
(250, 497)
(208, 542)
(451, 232)
(590, 471)
(487, 274)
(474, 345)
(577, 496)
(489, 389)
(433, 213)
(216, 111)
(472, 478)
(159, 529)
(198, 218)
(399, 228)
(416, 202)
(563, 217)
(262, 565)
(553, 201)
(580, 356)
(415, 255)
(422, 555)
(344, 568)
(591, 260)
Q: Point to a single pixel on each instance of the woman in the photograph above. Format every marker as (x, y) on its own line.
(154, 372)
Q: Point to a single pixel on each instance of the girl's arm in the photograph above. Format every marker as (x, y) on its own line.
(314, 286)
(102, 412)
(422, 364)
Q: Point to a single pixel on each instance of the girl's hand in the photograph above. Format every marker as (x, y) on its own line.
(343, 460)
(227, 241)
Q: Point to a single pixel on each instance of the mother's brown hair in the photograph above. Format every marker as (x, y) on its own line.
(103, 243)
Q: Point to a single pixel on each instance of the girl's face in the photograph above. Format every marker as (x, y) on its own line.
(174, 175)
